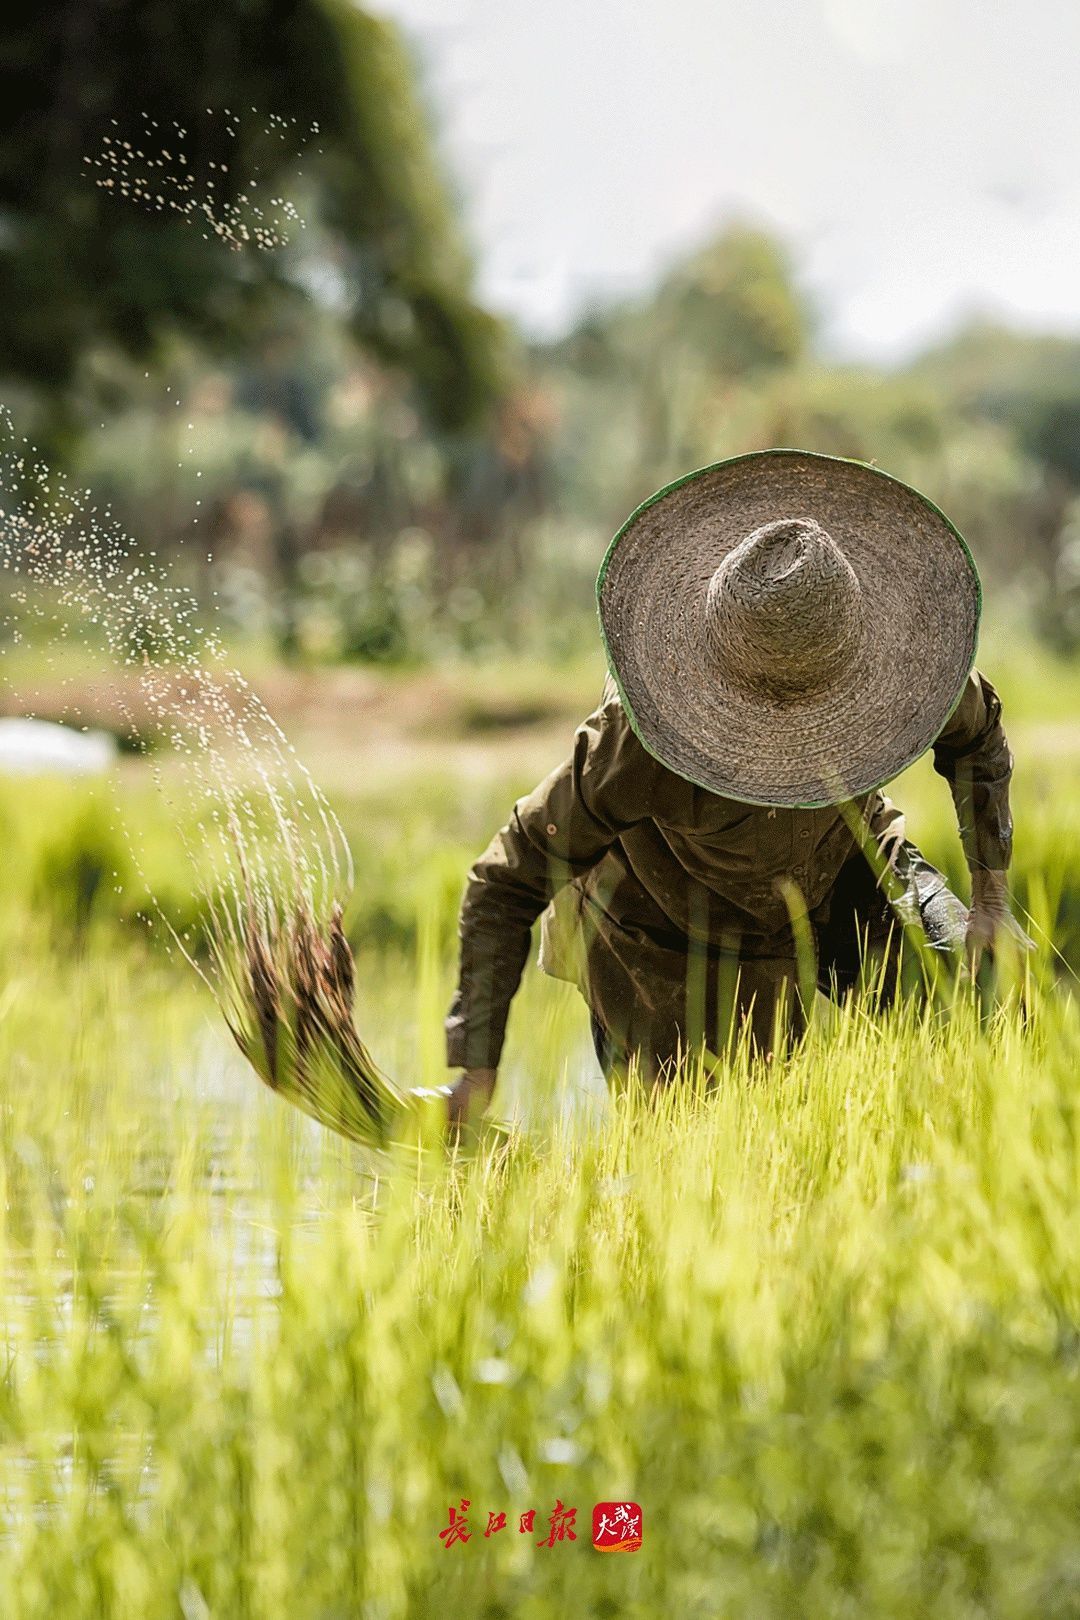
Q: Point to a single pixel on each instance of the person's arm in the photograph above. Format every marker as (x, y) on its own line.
(554, 834)
(972, 754)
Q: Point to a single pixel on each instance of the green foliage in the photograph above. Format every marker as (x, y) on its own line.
(735, 303)
(638, 379)
(77, 859)
(349, 607)
(67, 861)
(82, 857)
(719, 359)
(342, 524)
(82, 275)
(387, 200)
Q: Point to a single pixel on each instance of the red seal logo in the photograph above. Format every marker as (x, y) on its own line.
(616, 1526)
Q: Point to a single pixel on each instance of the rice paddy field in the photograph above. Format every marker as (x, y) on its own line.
(821, 1321)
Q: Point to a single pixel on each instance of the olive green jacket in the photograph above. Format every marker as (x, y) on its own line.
(641, 862)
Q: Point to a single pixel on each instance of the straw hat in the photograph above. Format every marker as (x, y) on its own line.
(788, 628)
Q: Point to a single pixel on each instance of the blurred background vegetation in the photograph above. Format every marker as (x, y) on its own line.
(344, 455)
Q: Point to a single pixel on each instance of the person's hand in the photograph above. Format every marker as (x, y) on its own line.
(990, 919)
(469, 1098)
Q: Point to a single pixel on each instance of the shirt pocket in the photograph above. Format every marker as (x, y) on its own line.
(728, 842)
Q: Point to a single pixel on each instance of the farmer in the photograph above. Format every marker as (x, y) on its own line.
(785, 632)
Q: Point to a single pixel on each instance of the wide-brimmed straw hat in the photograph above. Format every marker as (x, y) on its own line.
(788, 628)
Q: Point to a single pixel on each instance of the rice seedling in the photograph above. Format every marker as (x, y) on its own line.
(285, 981)
(287, 997)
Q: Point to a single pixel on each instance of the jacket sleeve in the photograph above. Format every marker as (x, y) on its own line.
(972, 754)
(554, 834)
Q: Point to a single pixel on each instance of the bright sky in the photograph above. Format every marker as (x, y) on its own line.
(922, 156)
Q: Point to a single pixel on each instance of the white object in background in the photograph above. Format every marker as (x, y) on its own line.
(29, 747)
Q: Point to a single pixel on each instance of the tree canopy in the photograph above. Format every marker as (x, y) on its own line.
(81, 273)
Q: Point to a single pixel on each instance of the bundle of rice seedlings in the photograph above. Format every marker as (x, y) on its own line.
(286, 986)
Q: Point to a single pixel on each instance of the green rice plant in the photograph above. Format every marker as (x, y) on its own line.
(819, 1316)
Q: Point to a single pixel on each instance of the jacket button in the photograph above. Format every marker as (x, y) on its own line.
(552, 829)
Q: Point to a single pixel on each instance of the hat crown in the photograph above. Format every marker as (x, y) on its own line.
(784, 676)
(784, 610)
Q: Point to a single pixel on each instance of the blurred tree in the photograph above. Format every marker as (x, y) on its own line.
(642, 384)
(1028, 381)
(735, 304)
(731, 313)
(1028, 385)
(81, 274)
